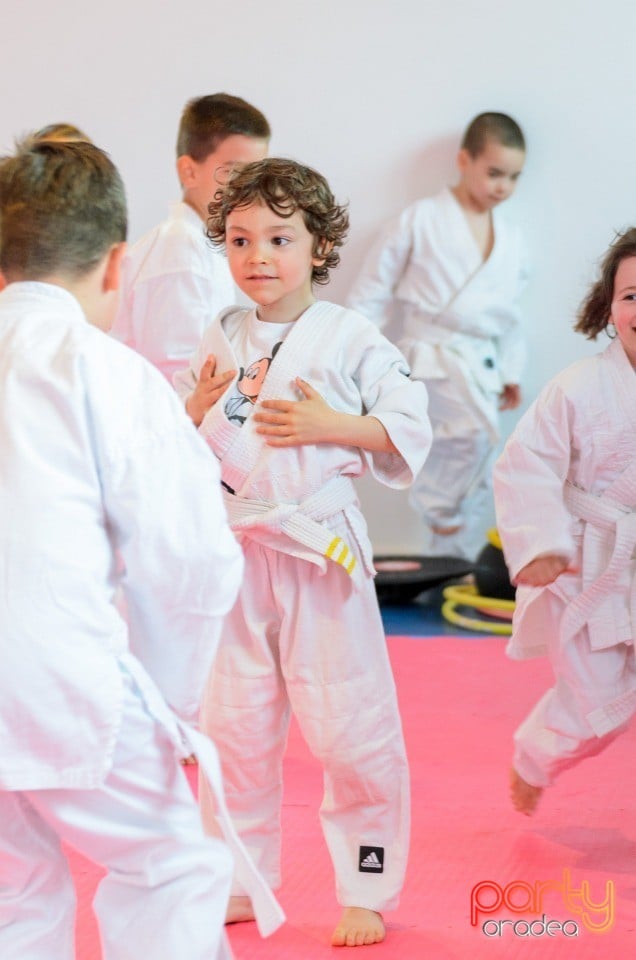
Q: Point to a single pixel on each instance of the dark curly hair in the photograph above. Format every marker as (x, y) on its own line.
(285, 186)
(594, 312)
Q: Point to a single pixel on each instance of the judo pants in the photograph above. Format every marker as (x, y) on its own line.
(557, 734)
(454, 488)
(314, 644)
(167, 886)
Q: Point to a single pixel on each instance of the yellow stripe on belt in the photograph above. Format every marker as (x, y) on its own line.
(339, 552)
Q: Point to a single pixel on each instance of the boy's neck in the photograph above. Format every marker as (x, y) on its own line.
(52, 280)
(189, 202)
(95, 289)
(283, 313)
(83, 290)
(480, 225)
(467, 203)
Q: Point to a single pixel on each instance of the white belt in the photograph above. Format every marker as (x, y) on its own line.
(613, 517)
(600, 511)
(444, 320)
(267, 910)
(302, 522)
(609, 515)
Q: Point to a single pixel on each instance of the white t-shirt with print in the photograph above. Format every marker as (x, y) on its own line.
(255, 343)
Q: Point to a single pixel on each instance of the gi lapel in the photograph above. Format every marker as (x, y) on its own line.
(311, 334)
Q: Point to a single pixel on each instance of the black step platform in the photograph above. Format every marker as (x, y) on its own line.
(402, 578)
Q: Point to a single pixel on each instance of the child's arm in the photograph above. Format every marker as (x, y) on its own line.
(542, 571)
(382, 269)
(510, 396)
(511, 345)
(291, 423)
(209, 387)
(536, 528)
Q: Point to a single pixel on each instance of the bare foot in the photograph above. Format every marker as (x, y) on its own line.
(239, 910)
(358, 927)
(524, 796)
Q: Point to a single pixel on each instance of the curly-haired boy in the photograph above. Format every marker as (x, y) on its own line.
(296, 398)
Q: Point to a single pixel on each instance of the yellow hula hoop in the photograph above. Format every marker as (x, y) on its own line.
(465, 595)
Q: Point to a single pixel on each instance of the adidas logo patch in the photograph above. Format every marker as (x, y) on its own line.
(371, 860)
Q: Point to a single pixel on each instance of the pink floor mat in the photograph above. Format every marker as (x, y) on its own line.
(572, 867)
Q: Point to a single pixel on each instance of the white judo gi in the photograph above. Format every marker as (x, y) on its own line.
(174, 283)
(306, 630)
(566, 485)
(103, 483)
(462, 337)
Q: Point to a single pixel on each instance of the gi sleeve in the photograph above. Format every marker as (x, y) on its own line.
(511, 346)
(185, 380)
(374, 289)
(163, 318)
(181, 566)
(400, 404)
(529, 478)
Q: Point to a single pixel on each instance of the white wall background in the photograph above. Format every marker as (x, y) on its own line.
(375, 94)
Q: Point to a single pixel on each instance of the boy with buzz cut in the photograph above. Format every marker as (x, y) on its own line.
(296, 398)
(455, 269)
(174, 283)
(103, 486)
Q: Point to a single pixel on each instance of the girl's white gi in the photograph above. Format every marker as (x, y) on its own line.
(306, 629)
(462, 337)
(566, 485)
(103, 483)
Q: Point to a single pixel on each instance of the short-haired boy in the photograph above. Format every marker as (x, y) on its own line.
(174, 283)
(316, 396)
(103, 484)
(456, 269)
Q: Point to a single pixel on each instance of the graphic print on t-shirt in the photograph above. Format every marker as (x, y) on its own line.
(248, 386)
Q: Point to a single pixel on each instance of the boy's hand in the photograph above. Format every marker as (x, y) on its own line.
(210, 386)
(291, 423)
(510, 396)
(542, 571)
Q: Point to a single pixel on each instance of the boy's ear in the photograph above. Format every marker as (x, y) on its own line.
(186, 171)
(3, 281)
(463, 159)
(321, 252)
(112, 267)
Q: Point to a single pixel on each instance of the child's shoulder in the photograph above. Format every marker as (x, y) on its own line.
(127, 389)
(434, 205)
(352, 336)
(176, 243)
(575, 381)
(581, 371)
(593, 374)
(73, 352)
(343, 321)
